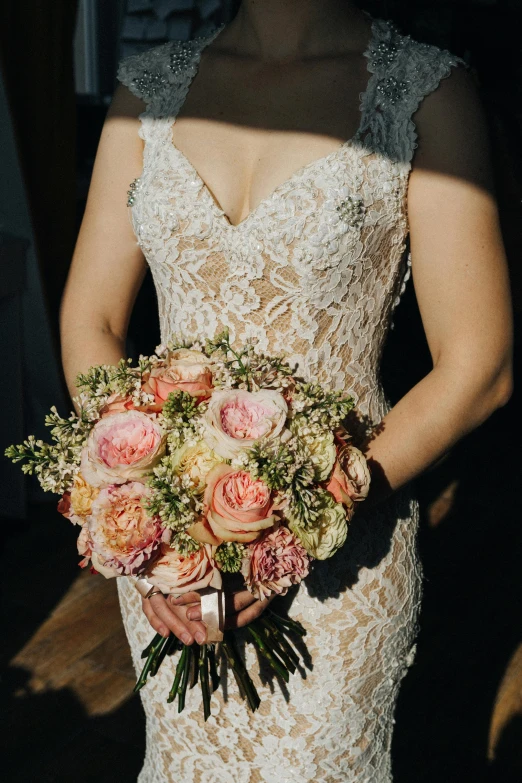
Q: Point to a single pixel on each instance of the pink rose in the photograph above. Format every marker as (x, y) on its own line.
(123, 536)
(277, 561)
(172, 573)
(116, 404)
(122, 447)
(350, 480)
(239, 507)
(235, 419)
(186, 370)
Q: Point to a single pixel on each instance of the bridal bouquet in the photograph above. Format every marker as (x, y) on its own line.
(200, 463)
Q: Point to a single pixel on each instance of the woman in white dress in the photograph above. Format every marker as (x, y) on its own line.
(277, 168)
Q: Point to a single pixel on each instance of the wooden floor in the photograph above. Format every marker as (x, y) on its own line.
(68, 709)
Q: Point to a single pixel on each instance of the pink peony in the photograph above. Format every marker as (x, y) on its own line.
(235, 419)
(122, 447)
(123, 536)
(239, 507)
(186, 370)
(175, 574)
(277, 561)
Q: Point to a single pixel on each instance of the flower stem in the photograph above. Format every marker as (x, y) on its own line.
(194, 668)
(214, 675)
(286, 624)
(153, 652)
(289, 651)
(152, 644)
(169, 644)
(242, 676)
(177, 677)
(280, 669)
(185, 678)
(203, 678)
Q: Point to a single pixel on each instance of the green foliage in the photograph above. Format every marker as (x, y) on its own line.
(171, 499)
(229, 556)
(185, 544)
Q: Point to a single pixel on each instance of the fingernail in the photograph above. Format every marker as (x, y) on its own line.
(195, 614)
(200, 637)
(165, 632)
(186, 638)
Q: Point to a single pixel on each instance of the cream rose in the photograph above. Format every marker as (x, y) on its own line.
(82, 496)
(235, 419)
(195, 461)
(122, 447)
(239, 507)
(322, 452)
(172, 573)
(328, 534)
(185, 370)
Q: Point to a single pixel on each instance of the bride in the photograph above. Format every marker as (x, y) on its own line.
(270, 174)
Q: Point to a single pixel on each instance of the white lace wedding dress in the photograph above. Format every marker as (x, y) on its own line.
(313, 271)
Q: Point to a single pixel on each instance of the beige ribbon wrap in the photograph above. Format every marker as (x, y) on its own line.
(213, 612)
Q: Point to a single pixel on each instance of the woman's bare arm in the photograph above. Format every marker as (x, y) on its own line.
(462, 288)
(106, 273)
(108, 266)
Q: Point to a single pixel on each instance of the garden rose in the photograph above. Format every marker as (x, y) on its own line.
(82, 495)
(123, 534)
(122, 447)
(350, 479)
(277, 561)
(175, 574)
(116, 403)
(84, 546)
(239, 507)
(328, 534)
(195, 461)
(235, 419)
(185, 370)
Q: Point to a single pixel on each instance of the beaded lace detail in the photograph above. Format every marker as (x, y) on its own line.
(314, 271)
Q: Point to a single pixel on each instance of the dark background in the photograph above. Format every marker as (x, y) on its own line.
(459, 717)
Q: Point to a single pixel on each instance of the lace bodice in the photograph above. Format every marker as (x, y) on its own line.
(315, 269)
(314, 272)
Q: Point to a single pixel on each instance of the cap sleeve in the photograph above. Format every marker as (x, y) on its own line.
(405, 72)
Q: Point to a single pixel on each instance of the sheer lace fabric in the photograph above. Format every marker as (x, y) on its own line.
(313, 271)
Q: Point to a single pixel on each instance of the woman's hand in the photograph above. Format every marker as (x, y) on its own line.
(241, 607)
(166, 616)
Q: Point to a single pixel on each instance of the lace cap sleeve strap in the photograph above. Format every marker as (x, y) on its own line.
(162, 76)
(406, 71)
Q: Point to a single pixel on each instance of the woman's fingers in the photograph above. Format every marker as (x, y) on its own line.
(151, 616)
(159, 613)
(186, 598)
(234, 603)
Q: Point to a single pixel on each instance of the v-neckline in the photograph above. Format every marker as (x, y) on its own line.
(302, 169)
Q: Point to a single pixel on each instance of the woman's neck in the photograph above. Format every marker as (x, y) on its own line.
(286, 30)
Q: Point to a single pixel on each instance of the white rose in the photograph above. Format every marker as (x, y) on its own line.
(328, 534)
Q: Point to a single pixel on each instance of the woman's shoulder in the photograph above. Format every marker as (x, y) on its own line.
(402, 58)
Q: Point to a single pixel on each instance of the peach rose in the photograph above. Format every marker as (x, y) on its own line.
(123, 536)
(239, 507)
(235, 419)
(116, 404)
(277, 561)
(350, 479)
(172, 573)
(185, 370)
(122, 447)
(84, 546)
